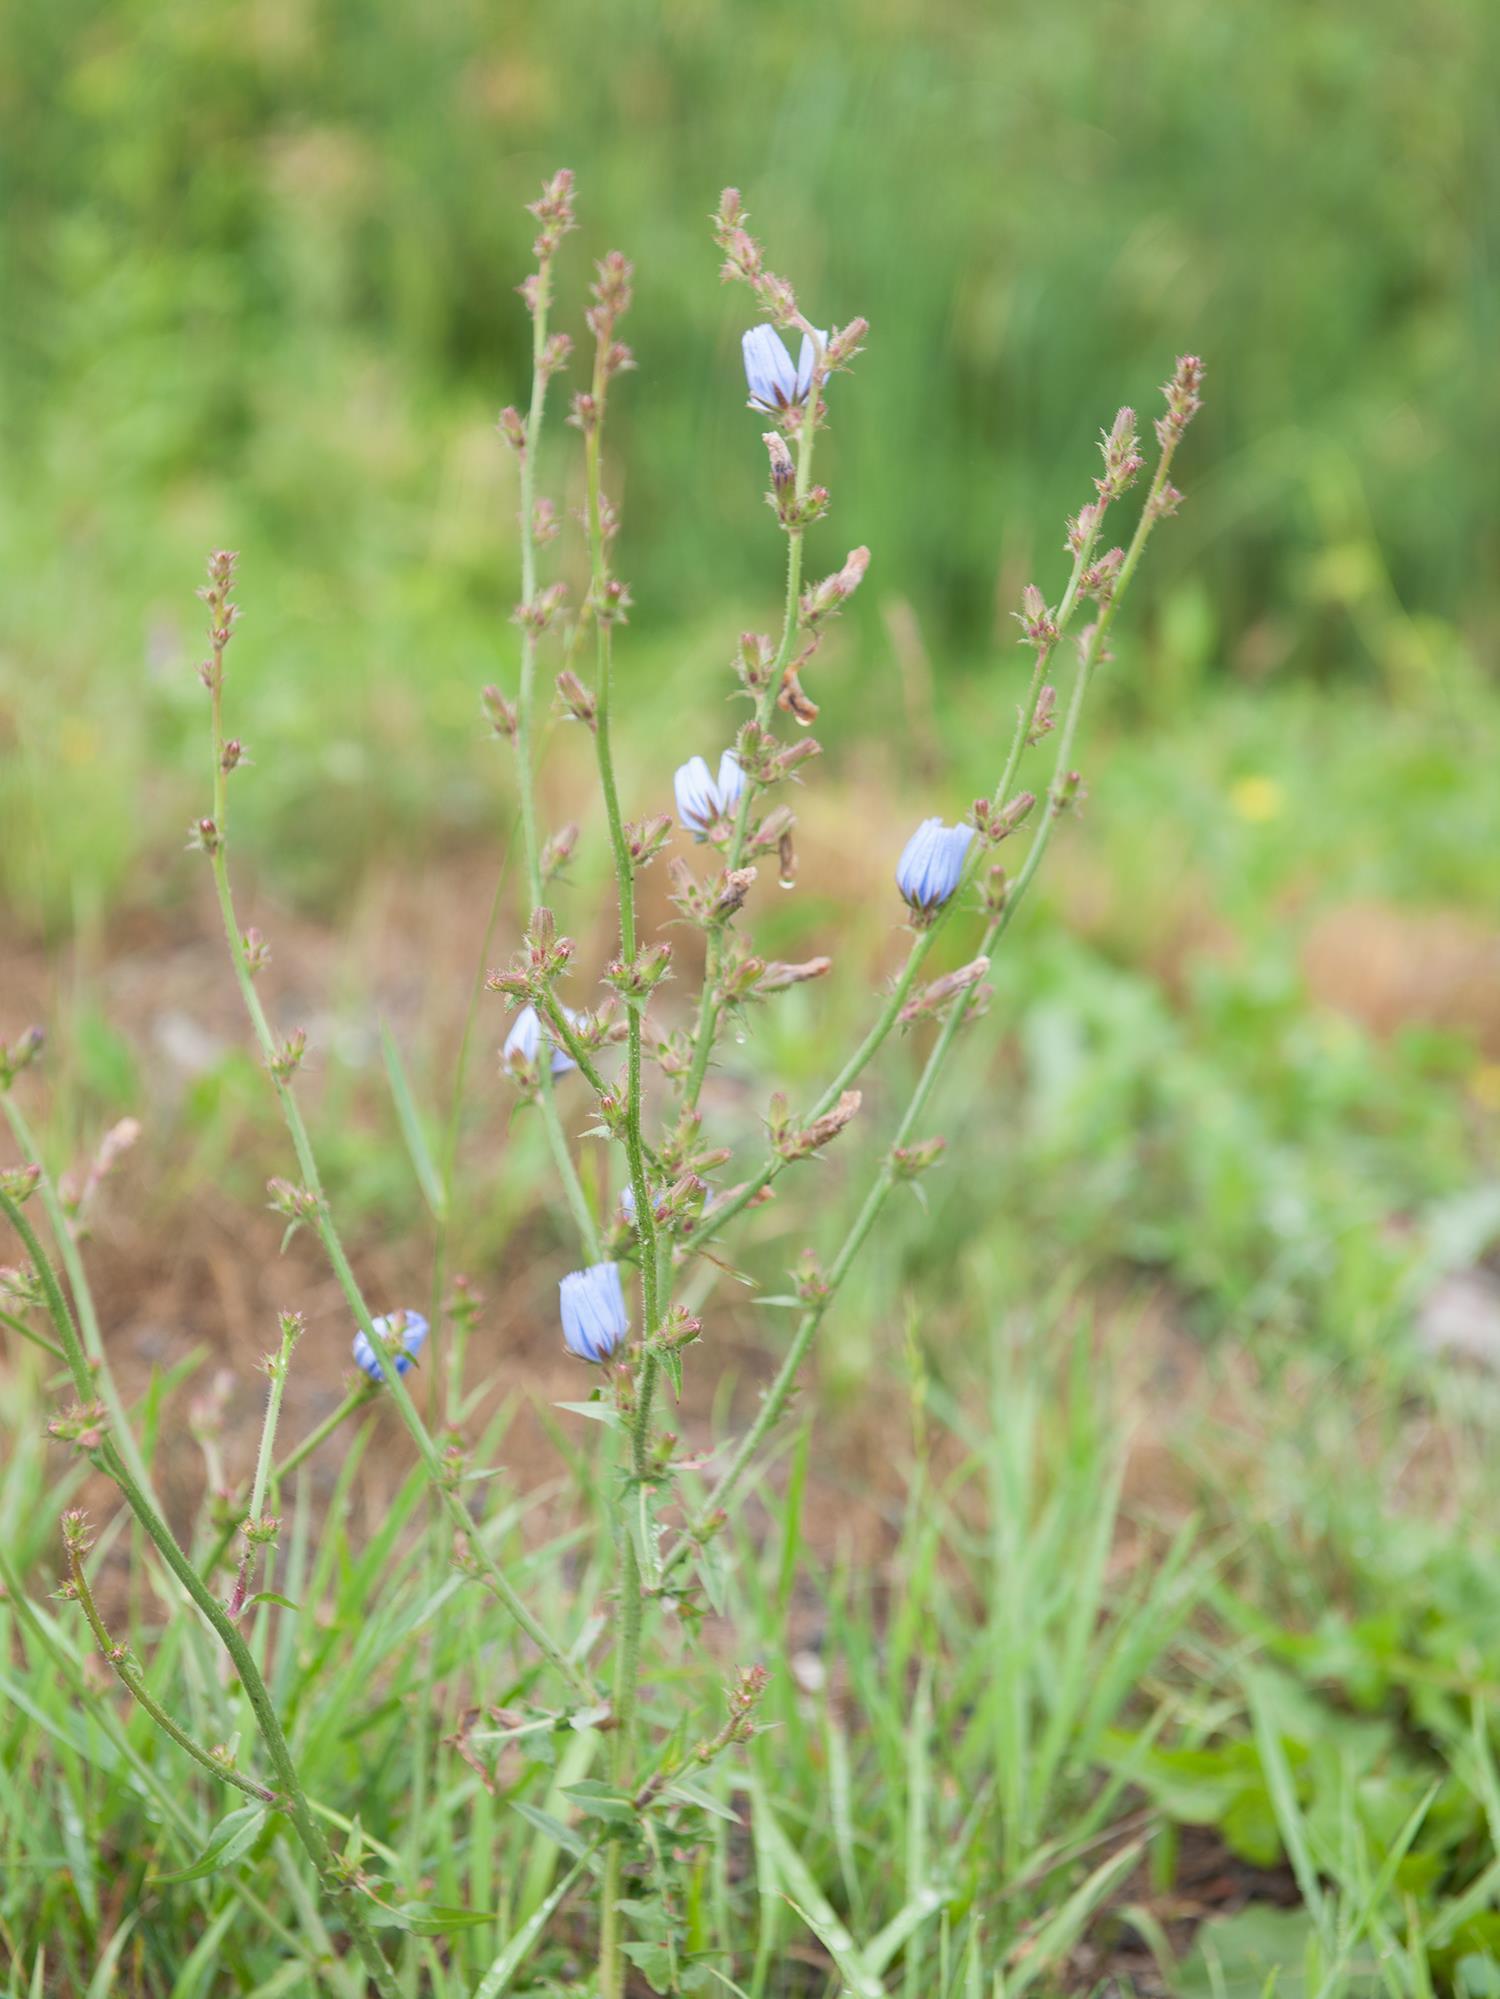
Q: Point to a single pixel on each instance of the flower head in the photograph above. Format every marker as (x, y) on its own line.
(775, 385)
(592, 1304)
(525, 1038)
(700, 799)
(410, 1328)
(931, 863)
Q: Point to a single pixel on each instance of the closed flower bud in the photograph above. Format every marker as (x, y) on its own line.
(1122, 459)
(512, 427)
(555, 355)
(499, 713)
(777, 976)
(844, 343)
(908, 1162)
(932, 864)
(558, 851)
(19, 1183)
(575, 699)
(783, 471)
(753, 660)
(827, 597)
(734, 885)
(1035, 620)
(592, 1306)
(645, 838)
(401, 1336)
(1043, 716)
(931, 999)
(257, 952)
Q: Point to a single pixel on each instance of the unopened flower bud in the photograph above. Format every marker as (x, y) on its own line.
(932, 998)
(557, 851)
(499, 713)
(575, 699)
(778, 975)
(645, 838)
(1035, 620)
(512, 427)
(783, 471)
(908, 1162)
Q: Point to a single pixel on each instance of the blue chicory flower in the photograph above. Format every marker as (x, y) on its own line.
(701, 800)
(525, 1037)
(592, 1304)
(412, 1333)
(931, 864)
(775, 385)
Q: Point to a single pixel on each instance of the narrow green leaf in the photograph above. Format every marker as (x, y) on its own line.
(234, 1835)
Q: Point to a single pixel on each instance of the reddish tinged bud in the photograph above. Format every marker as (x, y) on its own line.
(585, 413)
(555, 355)
(545, 524)
(843, 344)
(1035, 620)
(783, 471)
(1122, 459)
(558, 851)
(575, 699)
(611, 607)
(777, 975)
(1043, 716)
(1099, 579)
(232, 755)
(204, 836)
(753, 660)
(499, 713)
(827, 597)
(645, 838)
(931, 999)
(512, 427)
(1084, 526)
(257, 952)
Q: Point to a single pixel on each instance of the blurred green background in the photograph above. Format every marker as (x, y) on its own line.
(258, 265)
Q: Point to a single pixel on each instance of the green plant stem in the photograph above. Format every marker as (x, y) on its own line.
(118, 1660)
(277, 1370)
(525, 753)
(708, 1006)
(922, 944)
(631, 1608)
(15, 1325)
(364, 1392)
(290, 1797)
(776, 1397)
(333, 1247)
(88, 1318)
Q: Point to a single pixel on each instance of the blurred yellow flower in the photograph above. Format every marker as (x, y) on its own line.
(1484, 1086)
(1256, 798)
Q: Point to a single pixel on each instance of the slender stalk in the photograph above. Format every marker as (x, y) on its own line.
(724, 1211)
(107, 1458)
(15, 1325)
(612, 296)
(105, 1386)
(322, 1221)
(525, 724)
(775, 1398)
(357, 1398)
(708, 1007)
(118, 1660)
(249, 1527)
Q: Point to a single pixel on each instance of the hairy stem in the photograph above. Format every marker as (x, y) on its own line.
(525, 727)
(290, 1795)
(777, 1395)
